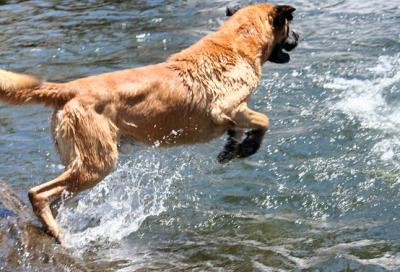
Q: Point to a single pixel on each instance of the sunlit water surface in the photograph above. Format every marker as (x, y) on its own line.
(322, 193)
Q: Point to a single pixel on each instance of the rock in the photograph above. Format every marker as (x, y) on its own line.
(23, 245)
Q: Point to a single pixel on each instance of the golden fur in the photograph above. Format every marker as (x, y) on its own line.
(194, 96)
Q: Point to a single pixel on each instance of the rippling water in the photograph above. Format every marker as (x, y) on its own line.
(323, 193)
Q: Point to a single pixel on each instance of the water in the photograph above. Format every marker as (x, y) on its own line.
(321, 194)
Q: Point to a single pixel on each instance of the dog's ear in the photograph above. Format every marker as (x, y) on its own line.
(283, 12)
(232, 10)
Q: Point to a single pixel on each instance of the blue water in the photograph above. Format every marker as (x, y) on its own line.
(322, 194)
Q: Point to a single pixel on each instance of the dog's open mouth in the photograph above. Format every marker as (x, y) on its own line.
(278, 55)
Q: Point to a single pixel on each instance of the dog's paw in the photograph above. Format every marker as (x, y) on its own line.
(60, 240)
(247, 149)
(230, 149)
(250, 144)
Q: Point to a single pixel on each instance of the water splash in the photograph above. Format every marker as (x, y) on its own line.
(117, 206)
(375, 103)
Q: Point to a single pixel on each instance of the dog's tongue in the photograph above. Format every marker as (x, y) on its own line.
(278, 56)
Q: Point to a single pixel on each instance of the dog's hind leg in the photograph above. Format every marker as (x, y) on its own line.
(87, 143)
(43, 195)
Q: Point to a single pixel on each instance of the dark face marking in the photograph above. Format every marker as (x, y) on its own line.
(283, 13)
(282, 18)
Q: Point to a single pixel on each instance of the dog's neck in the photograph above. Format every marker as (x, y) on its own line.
(225, 48)
(217, 72)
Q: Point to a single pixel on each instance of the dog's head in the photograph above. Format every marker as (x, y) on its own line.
(271, 23)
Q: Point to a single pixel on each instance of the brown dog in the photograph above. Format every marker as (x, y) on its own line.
(194, 96)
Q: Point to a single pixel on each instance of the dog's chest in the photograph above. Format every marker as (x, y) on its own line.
(235, 87)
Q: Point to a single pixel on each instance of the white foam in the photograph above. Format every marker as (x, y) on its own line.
(388, 261)
(365, 101)
(324, 254)
(388, 149)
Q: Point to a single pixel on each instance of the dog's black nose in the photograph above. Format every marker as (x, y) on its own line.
(296, 36)
(291, 41)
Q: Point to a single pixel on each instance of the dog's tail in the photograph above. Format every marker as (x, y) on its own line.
(21, 89)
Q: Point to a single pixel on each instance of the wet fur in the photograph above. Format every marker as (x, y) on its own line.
(194, 96)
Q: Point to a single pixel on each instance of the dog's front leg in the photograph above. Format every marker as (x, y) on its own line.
(257, 123)
(244, 118)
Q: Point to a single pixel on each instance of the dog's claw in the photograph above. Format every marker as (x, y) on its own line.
(60, 240)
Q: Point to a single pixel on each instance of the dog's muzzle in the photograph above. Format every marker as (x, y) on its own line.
(277, 55)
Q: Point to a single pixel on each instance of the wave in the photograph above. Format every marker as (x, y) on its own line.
(375, 103)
